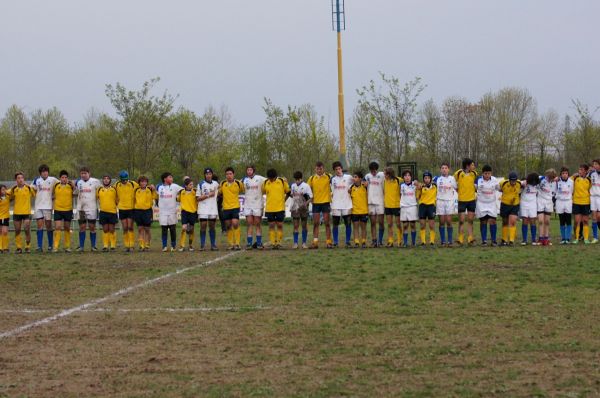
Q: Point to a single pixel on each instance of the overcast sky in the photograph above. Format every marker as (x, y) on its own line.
(235, 52)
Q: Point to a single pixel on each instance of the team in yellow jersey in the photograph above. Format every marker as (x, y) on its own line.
(135, 201)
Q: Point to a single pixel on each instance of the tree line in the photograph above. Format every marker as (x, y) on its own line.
(149, 134)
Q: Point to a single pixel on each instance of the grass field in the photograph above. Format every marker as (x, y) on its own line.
(377, 322)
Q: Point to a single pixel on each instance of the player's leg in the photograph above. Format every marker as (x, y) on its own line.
(235, 225)
(249, 230)
(373, 220)
(413, 232)
(524, 229)
(39, 220)
(92, 228)
(327, 222)
(184, 230)
(405, 228)
(212, 232)
(390, 223)
(67, 235)
(483, 229)
(27, 229)
(596, 222)
(258, 229)
(18, 239)
(49, 228)
(316, 223)
(586, 228)
(357, 232)
(422, 230)
(304, 225)
(4, 237)
(461, 225)
(58, 231)
(348, 227)
(203, 226)
(512, 222)
(470, 219)
(577, 227)
(279, 226)
(432, 230)
(336, 216)
(399, 229)
(381, 226)
(296, 233)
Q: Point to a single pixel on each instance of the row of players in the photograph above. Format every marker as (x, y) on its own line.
(379, 196)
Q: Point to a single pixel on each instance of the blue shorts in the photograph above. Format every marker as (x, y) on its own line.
(231, 214)
(321, 208)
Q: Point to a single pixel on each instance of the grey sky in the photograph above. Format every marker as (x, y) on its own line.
(235, 52)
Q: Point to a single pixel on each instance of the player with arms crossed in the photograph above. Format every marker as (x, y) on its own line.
(126, 194)
(341, 202)
(43, 186)
(487, 204)
(564, 205)
(301, 196)
(276, 189)
(231, 189)
(446, 189)
(63, 193)
(545, 206)
(253, 206)
(320, 184)
(206, 194)
(465, 180)
(375, 180)
(21, 194)
(87, 209)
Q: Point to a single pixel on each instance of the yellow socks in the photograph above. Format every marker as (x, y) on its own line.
(513, 233)
(5, 239)
(67, 239)
(236, 235)
(399, 235)
(461, 238)
(230, 237)
(105, 239)
(586, 232)
(505, 233)
(2, 243)
(18, 241)
(422, 234)
(57, 237)
(182, 238)
(272, 237)
(432, 236)
(279, 237)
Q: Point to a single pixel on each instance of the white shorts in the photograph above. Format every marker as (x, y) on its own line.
(528, 211)
(167, 218)
(340, 212)
(445, 208)
(564, 206)
(46, 214)
(409, 213)
(255, 212)
(483, 209)
(207, 216)
(376, 210)
(545, 206)
(595, 203)
(87, 215)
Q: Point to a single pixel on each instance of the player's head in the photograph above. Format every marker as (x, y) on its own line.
(358, 176)
(208, 174)
(44, 170)
(513, 177)
(250, 170)
(298, 176)
(407, 176)
(143, 181)
(427, 177)
(319, 168)
(550, 174)
(106, 180)
(583, 169)
(445, 169)
(486, 171)
(337, 168)
(533, 179)
(123, 175)
(373, 167)
(19, 178)
(188, 184)
(596, 164)
(84, 173)
(271, 174)
(468, 164)
(389, 172)
(64, 176)
(3, 190)
(166, 178)
(564, 173)
(229, 173)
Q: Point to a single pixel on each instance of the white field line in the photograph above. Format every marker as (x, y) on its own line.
(157, 309)
(93, 303)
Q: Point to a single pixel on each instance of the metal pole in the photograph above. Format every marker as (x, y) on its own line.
(342, 131)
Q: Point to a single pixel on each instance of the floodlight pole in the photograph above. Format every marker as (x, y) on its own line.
(339, 24)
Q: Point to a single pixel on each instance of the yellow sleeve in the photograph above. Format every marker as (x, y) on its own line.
(32, 192)
(242, 186)
(178, 198)
(286, 186)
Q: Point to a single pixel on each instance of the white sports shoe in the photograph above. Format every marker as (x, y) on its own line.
(295, 246)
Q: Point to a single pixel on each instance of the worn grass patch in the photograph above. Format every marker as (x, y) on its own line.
(400, 322)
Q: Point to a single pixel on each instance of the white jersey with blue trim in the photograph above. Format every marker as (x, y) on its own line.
(595, 177)
(564, 190)
(298, 191)
(408, 195)
(43, 188)
(487, 190)
(167, 197)
(253, 196)
(340, 197)
(529, 195)
(375, 188)
(546, 189)
(446, 187)
(208, 206)
(86, 199)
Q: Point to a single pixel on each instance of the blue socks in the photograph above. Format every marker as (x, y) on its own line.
(405, 239)
(348, 233)
(413, 237)
(164, 240)
(249, 240)
(40, 238)
(483, 230)
(93, 238)
(450, 230)
(304, 235)
(442, 230)
(296, 234)
(50, 235)
(533, 232)
(493, 230)
(524, 231)
(381, 231)
(202, 238)
(81, 239)
(595, 230)
(259, 240)
(335, 235)
(213, 237)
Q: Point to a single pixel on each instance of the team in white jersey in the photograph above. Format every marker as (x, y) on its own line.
(375, 180)
(445, 207)
(44, 186)
(87, 208)
(486, 208)
(545, 205)
(208, 209)
(341, 202)
(409, 207)
(301, 194)
(595, 198)
(167, 206)
(253, 205)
